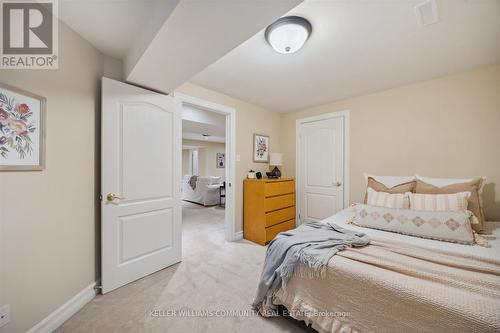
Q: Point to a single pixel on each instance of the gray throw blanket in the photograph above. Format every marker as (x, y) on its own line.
(311, 244)
(192, 182)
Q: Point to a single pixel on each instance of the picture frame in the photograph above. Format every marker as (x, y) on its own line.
(22, 130)
(260, 148)
(220, 160)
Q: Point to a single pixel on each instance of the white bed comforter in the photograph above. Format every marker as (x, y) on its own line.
(401, 283)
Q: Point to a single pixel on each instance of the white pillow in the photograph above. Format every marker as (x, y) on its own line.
(384, 199)
(439, 202)
(390, 181)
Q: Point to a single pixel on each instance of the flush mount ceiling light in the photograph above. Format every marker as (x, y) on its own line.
(288, 34)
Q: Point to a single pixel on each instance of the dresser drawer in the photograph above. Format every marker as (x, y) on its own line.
(271, 232)
(279, 188)
(280, 215)
(282, 201)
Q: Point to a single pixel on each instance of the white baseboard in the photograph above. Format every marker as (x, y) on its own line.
(65, 311)
(238, 236)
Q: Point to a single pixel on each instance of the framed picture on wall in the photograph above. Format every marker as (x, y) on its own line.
(220, 158)
(260, 148)
(22, 130)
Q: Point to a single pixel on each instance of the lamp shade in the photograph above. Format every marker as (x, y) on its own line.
(276, 159)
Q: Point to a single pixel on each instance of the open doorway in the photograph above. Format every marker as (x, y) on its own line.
(141, 229)
(207, 173)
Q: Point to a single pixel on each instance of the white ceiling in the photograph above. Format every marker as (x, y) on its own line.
(358, 47)
(202, 128)
(196, 122)
(194, 131)
(163, 43)
(196, 34)
(112, 26)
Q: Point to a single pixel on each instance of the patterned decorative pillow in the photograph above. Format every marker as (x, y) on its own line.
(384, 199)
(439, 202)
(446, 226)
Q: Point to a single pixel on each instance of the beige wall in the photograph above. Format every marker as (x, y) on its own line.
(250, 119)
(447, 127)
(48, 218)
(206, 157)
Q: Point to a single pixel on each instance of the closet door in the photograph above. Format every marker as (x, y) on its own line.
(320, 168)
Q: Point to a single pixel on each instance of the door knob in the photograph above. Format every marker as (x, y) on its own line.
(338, 183)
(112, 197)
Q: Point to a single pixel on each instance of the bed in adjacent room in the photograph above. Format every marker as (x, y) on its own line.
(203, 190)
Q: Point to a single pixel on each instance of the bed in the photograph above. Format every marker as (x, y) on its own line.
(400, 283)
(206, 191)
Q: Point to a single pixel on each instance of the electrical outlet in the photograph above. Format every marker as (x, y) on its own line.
(4, 315)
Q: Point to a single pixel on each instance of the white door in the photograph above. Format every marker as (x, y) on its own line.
(141, 172)
(320, 167)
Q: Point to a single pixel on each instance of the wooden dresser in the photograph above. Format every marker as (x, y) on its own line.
(269, 208)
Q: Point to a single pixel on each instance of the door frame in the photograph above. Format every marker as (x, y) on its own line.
(346, 115)
(230, 113)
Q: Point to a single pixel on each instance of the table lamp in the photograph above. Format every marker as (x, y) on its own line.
(275, 159)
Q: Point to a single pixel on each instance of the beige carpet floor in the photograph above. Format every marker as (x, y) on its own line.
(215, 276)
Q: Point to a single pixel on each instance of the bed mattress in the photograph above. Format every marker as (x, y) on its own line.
(400, 283)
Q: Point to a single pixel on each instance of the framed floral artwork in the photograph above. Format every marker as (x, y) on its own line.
(260, 148)
(22, 132)
(221, 160)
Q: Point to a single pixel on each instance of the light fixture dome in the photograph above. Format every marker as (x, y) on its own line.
(288, 34)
